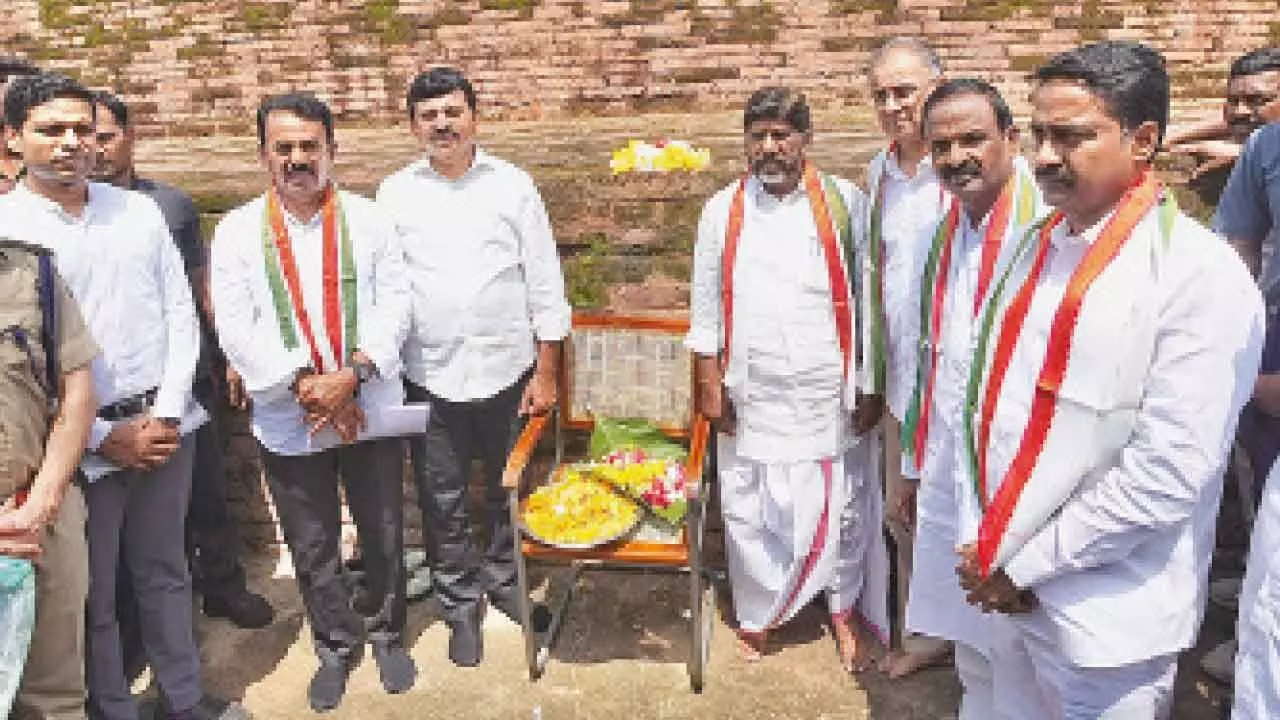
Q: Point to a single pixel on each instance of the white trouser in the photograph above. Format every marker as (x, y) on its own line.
(1033, 679)
(979, 699)
(1257, 676)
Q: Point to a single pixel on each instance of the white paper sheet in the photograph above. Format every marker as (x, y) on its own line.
(382, 422)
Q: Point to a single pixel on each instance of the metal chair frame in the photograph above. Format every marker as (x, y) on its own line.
(685, 557)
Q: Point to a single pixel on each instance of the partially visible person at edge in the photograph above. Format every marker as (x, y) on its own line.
(1249, 215)
(1253, 100)
(119, 262)
(212, 541)
(319, 351)
(781, 382)
(46, 410)
(906, 203)
(489, 319)
(1099, 450)
(994, 202)
(11, 68)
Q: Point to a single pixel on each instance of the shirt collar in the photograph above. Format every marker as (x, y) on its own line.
(1063, 237)
(765, 198)
(893, 171)
(23, 193)
(481, 162)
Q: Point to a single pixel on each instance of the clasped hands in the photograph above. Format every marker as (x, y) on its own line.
(328, 401)
(995, 593)
(144, 442)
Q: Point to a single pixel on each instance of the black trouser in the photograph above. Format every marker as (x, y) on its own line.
(304, 489)
(212, 541)
(456, 433)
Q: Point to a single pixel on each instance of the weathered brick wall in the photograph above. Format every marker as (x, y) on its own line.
(204, 63)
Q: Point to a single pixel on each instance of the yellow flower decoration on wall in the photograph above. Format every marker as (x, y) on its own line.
(662, 156)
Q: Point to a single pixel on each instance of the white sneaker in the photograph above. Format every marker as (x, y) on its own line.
(1225, 592)
(1220, 662)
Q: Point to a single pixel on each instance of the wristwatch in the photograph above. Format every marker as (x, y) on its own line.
(365, 371)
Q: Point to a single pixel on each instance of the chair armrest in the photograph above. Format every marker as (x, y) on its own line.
(523, 450)
(699, 434)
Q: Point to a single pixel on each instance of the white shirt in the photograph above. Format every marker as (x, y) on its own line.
(1121, 570)
(249, 331)
(912, 208)
(791, 405)
(484, 274)
(119, 262)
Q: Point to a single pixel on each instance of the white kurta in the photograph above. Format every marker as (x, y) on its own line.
(787, 473)
(1257, 678)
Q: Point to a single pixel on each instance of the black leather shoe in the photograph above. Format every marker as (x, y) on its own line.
(507, 602)
(396, 669)
(466, 645)
(245, 609)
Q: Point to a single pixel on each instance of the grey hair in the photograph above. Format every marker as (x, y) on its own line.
(915, 46)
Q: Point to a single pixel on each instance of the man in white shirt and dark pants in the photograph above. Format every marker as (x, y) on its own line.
(489, 315)
(311, 306)
(119, 261)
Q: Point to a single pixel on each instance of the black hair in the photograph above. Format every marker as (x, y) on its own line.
(114, 105)
(437, 82)
(1128, 77)
(969, 86)
(11, 67)
(31, 91)
(778, 103)
(1253, 63)
(303, 104)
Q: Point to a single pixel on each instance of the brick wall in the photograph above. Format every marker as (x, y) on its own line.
(204, 63)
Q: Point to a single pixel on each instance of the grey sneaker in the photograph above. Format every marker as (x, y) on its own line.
(1220, 662)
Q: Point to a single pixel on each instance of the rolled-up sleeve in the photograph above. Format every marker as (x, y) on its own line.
(250, 339)
(548, 309)
(1205, 362)
(705, 335)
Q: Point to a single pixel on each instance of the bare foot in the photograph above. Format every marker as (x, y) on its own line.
(751, 644)
(857, 651)
(901, 663)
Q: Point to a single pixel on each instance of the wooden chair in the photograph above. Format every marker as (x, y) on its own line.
(619, 366)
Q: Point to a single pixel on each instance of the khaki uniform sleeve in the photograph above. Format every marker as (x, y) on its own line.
(76, 347)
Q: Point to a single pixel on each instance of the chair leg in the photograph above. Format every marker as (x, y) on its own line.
(558, 614)
(699, 610)
(522, 591)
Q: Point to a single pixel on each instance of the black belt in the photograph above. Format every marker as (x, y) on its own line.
(128, 407)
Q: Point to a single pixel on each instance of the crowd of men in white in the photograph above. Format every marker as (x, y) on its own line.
(1052, 354)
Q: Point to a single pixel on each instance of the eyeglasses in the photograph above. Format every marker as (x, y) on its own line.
(777, 135)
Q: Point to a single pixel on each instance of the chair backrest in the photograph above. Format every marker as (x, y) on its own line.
(627, 366)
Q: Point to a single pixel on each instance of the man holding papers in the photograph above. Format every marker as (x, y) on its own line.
(310, 302)
(1111, 363)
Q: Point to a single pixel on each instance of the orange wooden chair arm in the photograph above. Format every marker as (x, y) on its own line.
(699, 435)
(523, 450)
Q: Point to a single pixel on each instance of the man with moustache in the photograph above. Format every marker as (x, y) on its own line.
(311, 305)
(489, 317)
(11, 68)
(116, 255)
(1253, 100)
(906, 202)
(974, 146)
(775, 262)
(1113, 358)
(212, 539)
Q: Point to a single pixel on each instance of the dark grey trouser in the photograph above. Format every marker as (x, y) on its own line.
(137, 517)
(211, 531)
(304, 489)
(456, 433)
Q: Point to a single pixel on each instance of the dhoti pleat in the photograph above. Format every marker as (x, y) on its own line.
(1257, 677)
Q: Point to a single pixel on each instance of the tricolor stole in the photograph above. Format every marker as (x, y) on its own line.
(1088, 422)
(875, 269)
(339, 285)
(831, 218)
(1017, 200)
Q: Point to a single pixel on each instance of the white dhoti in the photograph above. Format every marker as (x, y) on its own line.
(794, 529)
(1033, 678)
(1257, 678)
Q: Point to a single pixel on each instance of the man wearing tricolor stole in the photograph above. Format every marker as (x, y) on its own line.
(311, 306)
(1111, 362)
(775, 330)
(974, 145)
